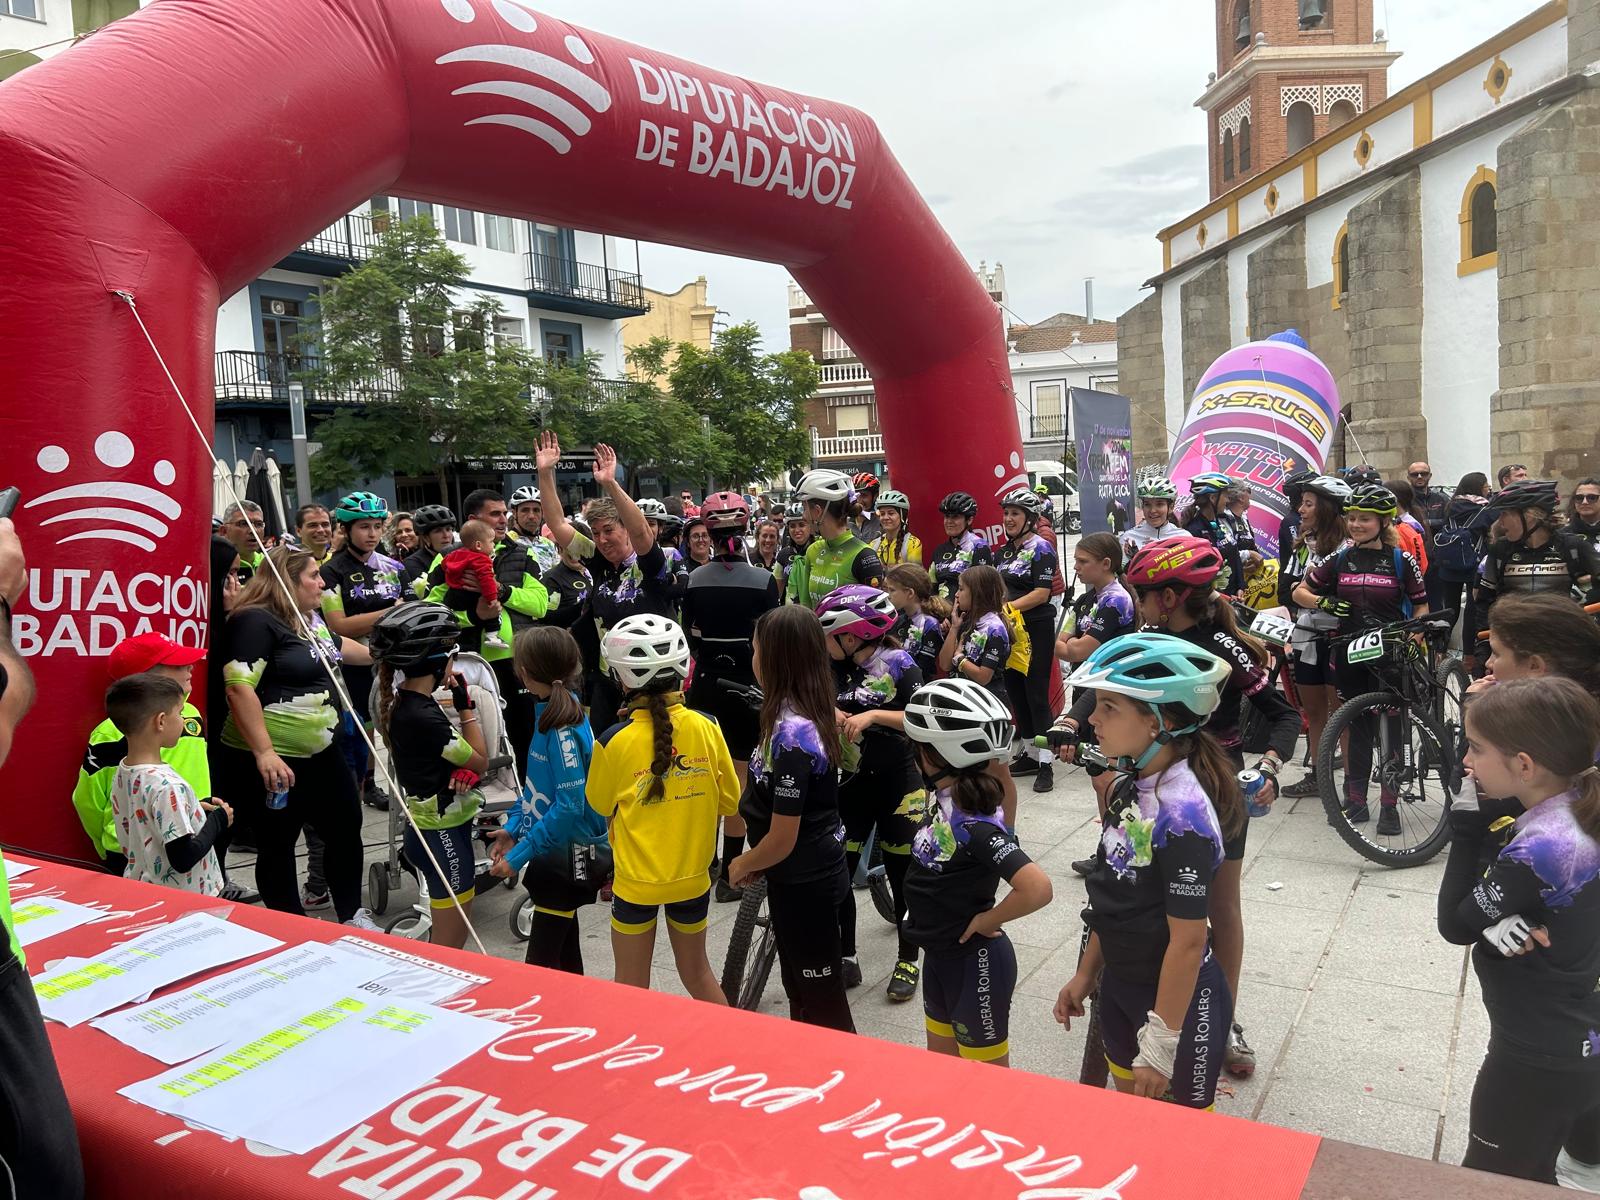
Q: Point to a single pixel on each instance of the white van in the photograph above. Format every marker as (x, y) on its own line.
(1062, 485)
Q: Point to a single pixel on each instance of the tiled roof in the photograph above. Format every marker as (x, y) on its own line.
(1059, 333)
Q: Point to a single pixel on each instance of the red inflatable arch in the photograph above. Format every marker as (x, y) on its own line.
(182, 151)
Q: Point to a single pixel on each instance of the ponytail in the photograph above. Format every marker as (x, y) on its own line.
(661, 723)
(548, 655)
(1217, 777)
(972, 789)
(1211, 608)
(385, 701)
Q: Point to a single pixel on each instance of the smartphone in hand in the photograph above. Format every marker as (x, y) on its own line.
(8, 501)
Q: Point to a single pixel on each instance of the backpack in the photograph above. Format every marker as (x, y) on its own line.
(1457, 548)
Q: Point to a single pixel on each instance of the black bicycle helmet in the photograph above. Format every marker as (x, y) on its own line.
(1372, 498)
(1526, 493)
(1356, 476)
(415, 634)
(432, 516)
(959, 504)
(1294, 486)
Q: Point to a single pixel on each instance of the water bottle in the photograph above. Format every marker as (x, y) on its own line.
(276, 800)
(1250, 783)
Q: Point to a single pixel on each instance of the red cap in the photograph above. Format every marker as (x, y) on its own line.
(138, 654)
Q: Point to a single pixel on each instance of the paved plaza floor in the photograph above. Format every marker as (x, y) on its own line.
(1366, 1025)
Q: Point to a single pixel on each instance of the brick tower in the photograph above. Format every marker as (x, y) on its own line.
(1288, 71)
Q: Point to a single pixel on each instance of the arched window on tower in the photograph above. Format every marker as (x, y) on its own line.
(1244, 146)
(1302, 126)
(1227, 154)
(1341, 113)
(1241, 25)
(1480, 232)
(1341, 264)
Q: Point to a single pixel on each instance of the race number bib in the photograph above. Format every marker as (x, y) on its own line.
(1366, 648)
(1272, 627)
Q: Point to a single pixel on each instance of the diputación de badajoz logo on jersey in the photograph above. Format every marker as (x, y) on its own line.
(89, 496)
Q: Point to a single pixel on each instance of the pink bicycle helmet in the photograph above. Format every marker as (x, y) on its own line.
(856, 608)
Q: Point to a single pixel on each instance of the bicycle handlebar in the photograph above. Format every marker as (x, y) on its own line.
(748, 692)
(1438, 623)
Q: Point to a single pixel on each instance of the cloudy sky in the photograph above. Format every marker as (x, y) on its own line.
(1053, 136)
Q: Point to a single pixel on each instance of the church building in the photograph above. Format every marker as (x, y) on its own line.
(1439, 248)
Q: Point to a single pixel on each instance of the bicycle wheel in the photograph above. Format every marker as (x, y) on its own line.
(752, 915)
(878, 886)
(1415, 768)
(755, 983)
(1453, 682)
(521, 919)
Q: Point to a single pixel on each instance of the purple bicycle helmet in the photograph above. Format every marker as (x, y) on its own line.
(856, 608)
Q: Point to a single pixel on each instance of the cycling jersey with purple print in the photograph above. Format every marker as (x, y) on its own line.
(1109, 614)
(952, 557)
(1368, 580)
(1026, 564)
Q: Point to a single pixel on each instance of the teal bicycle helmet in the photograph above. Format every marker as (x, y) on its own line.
(1210, 483)
(1157, 670)
(894, 499)
(361, 506)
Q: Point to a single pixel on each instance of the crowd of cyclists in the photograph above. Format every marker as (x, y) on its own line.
(701, 696)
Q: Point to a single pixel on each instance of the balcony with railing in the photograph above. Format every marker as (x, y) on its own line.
(833, 374)
(849, 445)
(253, 379)
(337, 248)
(798, 297)
(565, 285)
(1047, 426)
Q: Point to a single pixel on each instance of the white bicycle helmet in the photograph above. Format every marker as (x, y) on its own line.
(644, 648)
(526, 494)
(1330, 486)
(894, 499)
(823, 485)
(962, 720)
(653, 509)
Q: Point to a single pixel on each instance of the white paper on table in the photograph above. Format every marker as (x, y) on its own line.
(13, 869)
(35, 920)
(229, 1007)
(136, 968)
(305, 1082)
(411, 977)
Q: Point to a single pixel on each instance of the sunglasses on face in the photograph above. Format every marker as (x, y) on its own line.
(1420, 474)
(1587, 497)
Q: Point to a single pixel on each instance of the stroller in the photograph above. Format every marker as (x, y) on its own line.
(501, 787)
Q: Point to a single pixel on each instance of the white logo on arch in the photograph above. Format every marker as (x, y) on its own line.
(115, 510)
(561, 119)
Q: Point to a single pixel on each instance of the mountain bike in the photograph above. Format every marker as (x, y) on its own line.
(1415, 754)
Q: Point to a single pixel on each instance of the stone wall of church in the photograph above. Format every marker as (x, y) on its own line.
(1142, 377)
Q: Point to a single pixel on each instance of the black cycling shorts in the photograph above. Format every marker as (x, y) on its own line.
(1203, 1041)
(966, 994)
(686, 916)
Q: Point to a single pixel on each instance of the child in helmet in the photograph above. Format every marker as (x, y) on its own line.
(662, 777)
(884, 793)
(1158, 496)
(437, 767)
(1207, 518)
(958, 858)
(1164, 1005)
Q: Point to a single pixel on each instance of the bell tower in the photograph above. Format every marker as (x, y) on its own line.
(1288, 71)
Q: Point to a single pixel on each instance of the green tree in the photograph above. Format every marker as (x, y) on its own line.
(753, 403)
(408, 360)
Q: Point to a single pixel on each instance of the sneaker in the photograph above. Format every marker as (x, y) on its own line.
(1388, 821)
(1084, 866)
(726, 892)
(237, 893)
(1577, 1175)
(377, 798)
(1240, 1061)
(850, 972)
(1308, 786)
(1045, 780)
(363, 920)
(1355, 811)
(314, 901)
(903, 983)
(1025, 766)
